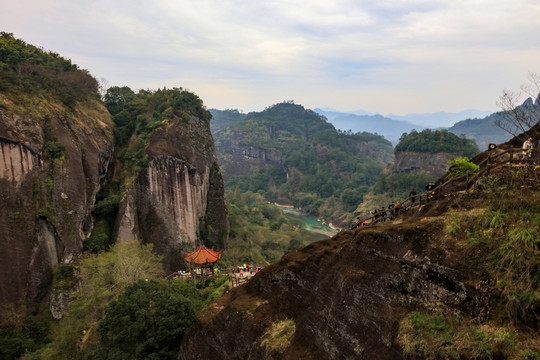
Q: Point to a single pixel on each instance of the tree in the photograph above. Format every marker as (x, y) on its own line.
(147, 321)
(103, 277)
(518, 117)
(461, 166)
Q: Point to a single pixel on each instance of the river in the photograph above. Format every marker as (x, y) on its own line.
(311, 223)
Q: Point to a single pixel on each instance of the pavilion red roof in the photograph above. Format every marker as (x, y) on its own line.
(203, 255)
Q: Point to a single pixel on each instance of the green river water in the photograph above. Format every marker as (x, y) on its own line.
(311, 222)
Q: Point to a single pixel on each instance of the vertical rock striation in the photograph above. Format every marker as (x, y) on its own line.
(178, 200)
(45, 214)
(16, 160)
(173, 194)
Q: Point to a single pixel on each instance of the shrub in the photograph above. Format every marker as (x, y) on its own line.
(461, 166)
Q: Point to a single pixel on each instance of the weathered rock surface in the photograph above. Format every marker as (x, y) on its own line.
(407, 162)
(176, 192)
(346, 296)
(46, 205)
(238, 158)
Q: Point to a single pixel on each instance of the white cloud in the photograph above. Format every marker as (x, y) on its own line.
(385, 56)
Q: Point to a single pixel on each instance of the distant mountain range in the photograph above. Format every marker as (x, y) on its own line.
(426, 120)
(441, 119)
(475, 124)
(389, 128)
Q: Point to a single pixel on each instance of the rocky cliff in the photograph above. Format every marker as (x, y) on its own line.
(345, 297)
(179, 195)
(408, 162)
(52, 159)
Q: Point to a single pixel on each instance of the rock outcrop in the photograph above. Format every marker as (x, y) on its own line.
(175, 193)
(345, 295)
(408, 162)
(238, 159)
(47, 201)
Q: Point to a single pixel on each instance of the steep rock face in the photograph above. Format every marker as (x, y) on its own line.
(407, 162)
(253, 152)
(46, 204)
(174, 197)
(238, 159)
(16, 160)
(345, 295)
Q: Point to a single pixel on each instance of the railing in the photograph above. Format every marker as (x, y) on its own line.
(461, 183)
(235, 278)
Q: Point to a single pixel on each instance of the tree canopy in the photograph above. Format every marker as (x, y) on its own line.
(435, 141)
(147, 321)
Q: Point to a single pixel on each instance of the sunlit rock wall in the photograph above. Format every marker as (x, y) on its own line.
(171, 197)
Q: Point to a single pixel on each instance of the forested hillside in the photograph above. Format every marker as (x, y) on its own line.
(293, 155)
(484, 131)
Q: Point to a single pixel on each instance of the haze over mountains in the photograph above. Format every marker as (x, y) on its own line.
(475, 124)
(391, 125)
(428, 120)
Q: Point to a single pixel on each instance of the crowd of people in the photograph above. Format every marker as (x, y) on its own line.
(248, 268)
(380, 214)
(390, 212)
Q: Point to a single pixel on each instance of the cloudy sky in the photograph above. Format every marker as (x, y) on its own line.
(385, 56)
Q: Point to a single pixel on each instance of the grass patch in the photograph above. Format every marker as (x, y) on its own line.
(433, 336)
(278, 336)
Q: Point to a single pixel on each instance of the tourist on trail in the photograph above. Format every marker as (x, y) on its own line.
(383, 214)
(412, 195)
(527, 149)
(375, 214)
(398, 206)
(391, 209)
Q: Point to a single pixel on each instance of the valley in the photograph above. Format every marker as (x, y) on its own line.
(105, 190)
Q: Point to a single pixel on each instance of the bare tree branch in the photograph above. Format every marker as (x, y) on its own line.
(518, 117)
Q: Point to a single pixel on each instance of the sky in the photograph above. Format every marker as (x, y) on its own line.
(383, 56)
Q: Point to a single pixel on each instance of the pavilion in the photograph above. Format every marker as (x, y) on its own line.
(204, 257)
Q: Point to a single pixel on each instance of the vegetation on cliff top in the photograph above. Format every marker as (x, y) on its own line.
(435, 141)
(29, 70)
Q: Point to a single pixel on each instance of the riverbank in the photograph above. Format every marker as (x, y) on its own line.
(311, 223)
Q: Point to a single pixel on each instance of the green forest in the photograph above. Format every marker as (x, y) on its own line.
(260, 233)
(434, 141)
(323, 171)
